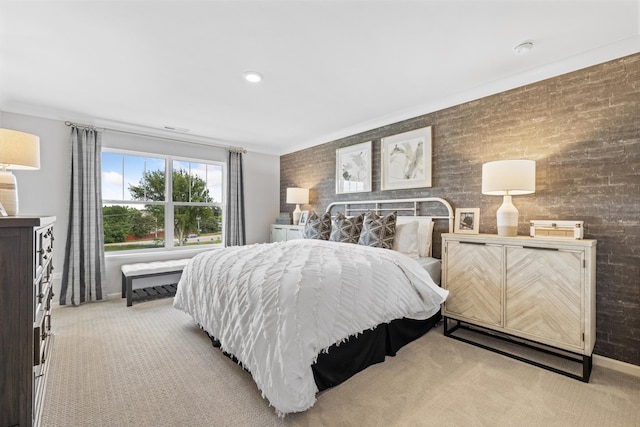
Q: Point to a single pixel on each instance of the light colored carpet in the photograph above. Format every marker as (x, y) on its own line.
(149, 365)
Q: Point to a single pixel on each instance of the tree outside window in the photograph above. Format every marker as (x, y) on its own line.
(194, 207)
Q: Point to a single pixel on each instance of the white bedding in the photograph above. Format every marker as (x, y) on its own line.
(432, 266)
(276, 306)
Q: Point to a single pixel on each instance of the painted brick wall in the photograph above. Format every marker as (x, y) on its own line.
(582, 128)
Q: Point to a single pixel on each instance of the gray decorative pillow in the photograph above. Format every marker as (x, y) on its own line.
(318, 227)
(378, 231)
(346, 230)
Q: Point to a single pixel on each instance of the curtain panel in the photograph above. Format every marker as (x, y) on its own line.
(234, 218)
(84, 269)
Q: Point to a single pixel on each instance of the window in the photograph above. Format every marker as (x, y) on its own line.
(138, 200)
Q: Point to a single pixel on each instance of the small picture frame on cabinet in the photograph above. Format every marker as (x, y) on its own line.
(303, 217)
(467, 221)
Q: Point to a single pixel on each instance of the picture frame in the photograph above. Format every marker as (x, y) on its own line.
(353, 168)
(304, 216)
(467, 221)
(406, 160)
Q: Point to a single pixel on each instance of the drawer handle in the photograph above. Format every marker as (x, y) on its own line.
(472, 243)
(539, 249)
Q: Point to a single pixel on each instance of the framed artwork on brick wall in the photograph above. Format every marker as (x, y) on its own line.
(353, 169)
(406, 160)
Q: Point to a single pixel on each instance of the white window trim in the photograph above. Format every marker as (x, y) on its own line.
(169, 203)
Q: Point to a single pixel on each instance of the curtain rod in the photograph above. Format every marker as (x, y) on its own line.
(228, 147)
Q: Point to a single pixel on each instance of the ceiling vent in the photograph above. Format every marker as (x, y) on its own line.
(175, 129)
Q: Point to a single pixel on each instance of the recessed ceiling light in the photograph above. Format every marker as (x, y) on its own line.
(523, 48)
(252, 76)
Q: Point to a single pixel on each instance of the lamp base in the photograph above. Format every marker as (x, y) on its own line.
(296, 215)
(507, 218)
(9, 193)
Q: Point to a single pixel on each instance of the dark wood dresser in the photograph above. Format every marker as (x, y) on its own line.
(26, 274)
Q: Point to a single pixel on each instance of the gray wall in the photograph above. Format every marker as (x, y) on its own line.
(45, 191)
(582, 128)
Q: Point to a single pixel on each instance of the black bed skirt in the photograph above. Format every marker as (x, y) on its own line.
(343, 361)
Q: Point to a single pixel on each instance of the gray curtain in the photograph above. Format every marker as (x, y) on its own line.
(234, 216)
(83, 273)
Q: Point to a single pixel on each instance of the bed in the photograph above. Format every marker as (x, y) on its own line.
(304, 315)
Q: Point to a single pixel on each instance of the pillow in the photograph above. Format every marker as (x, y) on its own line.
(346, 230)
(318, 227)
(378, 231)
(425, 234)
(406, 240)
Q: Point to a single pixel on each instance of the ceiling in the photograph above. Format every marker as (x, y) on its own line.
(331, 68)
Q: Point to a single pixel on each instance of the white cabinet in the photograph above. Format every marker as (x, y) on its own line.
(282, 233)
(539, 289)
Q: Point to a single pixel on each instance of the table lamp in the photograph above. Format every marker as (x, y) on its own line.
(18, 150)
(508, 178)
(298, 196)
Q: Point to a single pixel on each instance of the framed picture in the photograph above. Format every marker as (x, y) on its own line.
(303, 217)
(467, 221)
(353, 169)
(406, 160)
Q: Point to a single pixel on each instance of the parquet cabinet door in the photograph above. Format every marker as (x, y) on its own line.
(544, 295)
(474, 280)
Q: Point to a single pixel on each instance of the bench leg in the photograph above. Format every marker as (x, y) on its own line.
(129, 291)
(124, 285)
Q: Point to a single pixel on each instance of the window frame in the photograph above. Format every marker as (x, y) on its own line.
(168, 203)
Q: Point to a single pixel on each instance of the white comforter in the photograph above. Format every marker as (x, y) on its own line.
(276, 306)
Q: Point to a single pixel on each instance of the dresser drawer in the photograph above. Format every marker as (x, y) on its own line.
(42, 329)
(44, 251)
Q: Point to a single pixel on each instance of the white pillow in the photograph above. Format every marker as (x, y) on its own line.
(405, 240)
(425, 234)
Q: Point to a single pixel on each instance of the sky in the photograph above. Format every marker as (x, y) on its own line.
(119, 171)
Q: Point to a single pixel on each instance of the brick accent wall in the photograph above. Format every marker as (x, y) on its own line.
(582, 128)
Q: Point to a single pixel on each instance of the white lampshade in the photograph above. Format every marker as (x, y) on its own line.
(18, 150)
(298, 195)
(507, 178)
(512, 177)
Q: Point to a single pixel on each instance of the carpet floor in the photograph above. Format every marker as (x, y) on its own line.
(150, 365)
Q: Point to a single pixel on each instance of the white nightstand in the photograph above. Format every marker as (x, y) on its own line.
(282, 233)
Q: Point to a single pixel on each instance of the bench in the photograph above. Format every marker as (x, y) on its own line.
(130, 272)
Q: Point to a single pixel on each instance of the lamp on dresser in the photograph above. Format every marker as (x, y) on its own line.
(508, 178)
(18, 150)
(299, 196)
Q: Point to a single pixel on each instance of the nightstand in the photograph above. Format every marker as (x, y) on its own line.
(540, 290)
(282, 233)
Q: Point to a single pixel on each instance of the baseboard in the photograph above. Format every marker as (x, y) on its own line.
(616, 365)
(115, 295)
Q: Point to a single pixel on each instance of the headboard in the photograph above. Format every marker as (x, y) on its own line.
(405, 207)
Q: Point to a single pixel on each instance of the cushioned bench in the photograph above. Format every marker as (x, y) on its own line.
(130, 272)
